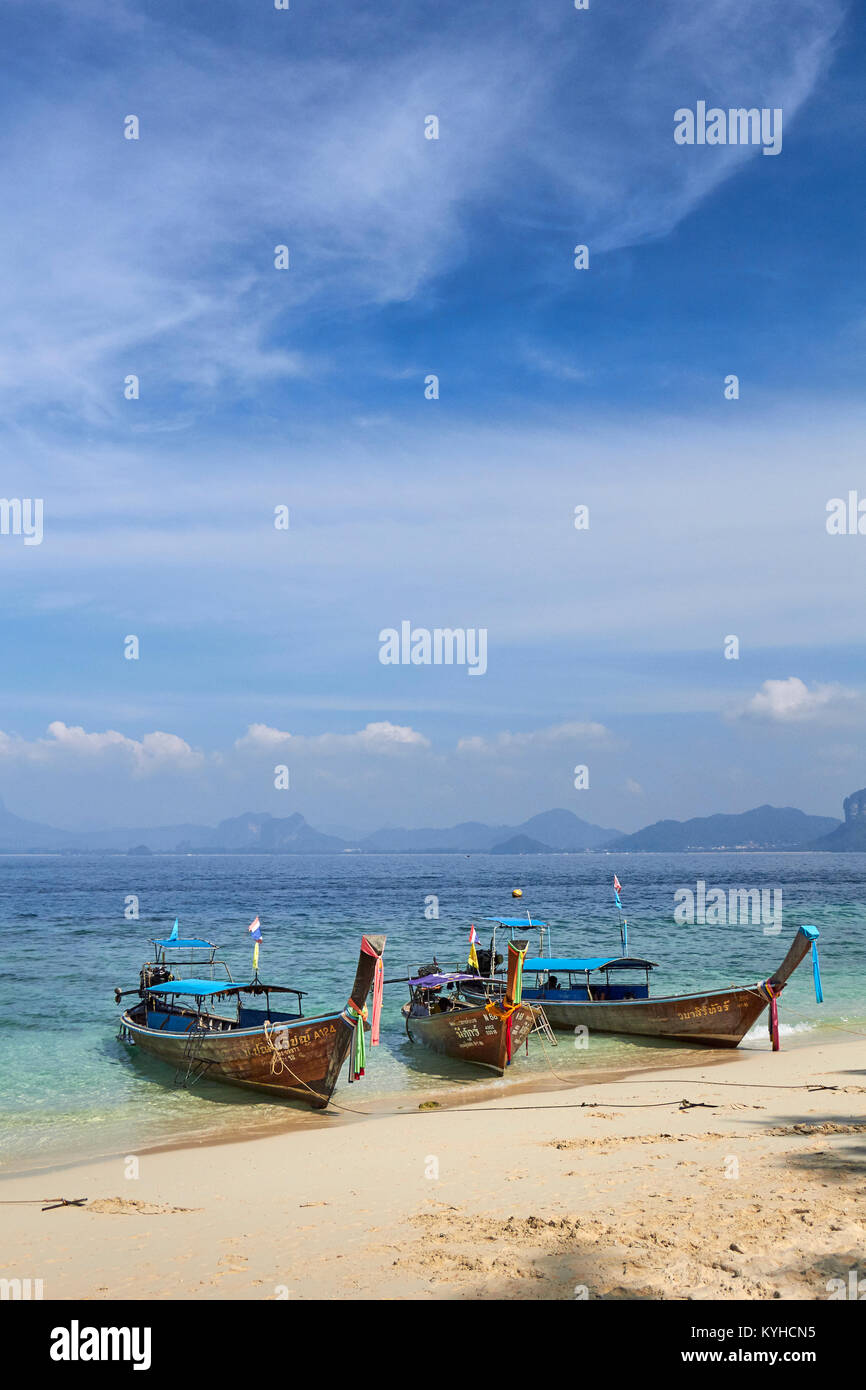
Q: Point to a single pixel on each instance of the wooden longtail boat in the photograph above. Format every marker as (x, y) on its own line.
(487, 1033)
(579, 992)
(202, 1026)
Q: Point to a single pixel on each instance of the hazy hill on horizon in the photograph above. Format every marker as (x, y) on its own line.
(765, 827)
(556, 831)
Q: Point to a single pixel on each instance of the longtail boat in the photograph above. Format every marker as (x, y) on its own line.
(597, 993)
(486, 1033)
(192, 1015)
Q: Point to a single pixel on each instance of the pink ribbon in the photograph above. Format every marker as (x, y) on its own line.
(774, 1022)
(378, 982)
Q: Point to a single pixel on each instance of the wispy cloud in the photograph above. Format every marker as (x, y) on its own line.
(574, 733)
(156, 255)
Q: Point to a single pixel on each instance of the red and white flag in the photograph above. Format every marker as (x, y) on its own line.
(255, 928)
(473, 936)
(617, 885)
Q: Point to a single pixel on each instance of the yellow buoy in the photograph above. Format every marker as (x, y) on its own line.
(517, 892)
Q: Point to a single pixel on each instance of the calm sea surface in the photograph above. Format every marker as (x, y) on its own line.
(69, 1089)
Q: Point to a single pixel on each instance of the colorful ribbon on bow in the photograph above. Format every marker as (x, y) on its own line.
(358, 1016)
(358, 1055)
(812, 934)
(378, 992)
(816, 974)
(507, 1014)
(773, 996)
(500, 1010)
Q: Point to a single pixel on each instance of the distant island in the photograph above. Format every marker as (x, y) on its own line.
(766, 827)
(550, 832)
(851, 834)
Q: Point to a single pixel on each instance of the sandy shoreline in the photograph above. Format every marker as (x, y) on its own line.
(353, 1104)
(610, 1187)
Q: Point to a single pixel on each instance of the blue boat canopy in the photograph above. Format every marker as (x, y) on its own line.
(194, 987)
(179, 941)
(514, 922)
(573, 963)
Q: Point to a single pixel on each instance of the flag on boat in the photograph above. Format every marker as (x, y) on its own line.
(473, 954)
(617, 888)
(255, 929)
(173, 936)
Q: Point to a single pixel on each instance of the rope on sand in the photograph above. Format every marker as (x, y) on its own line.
(613, 1104)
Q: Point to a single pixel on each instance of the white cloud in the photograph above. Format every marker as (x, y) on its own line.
(791, 701)
(262, 738)
(154, 752)
(383, 736)
(375, 738)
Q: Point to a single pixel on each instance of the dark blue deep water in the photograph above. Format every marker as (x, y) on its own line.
(69, 1089)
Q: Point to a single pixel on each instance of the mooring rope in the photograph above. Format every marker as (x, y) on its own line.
(284, 1066)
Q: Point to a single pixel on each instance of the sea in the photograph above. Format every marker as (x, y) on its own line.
(71, 1090)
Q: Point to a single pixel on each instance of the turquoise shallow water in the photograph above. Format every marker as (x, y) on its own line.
(69, 1089)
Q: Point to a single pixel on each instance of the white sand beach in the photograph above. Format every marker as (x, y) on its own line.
(610, 1191)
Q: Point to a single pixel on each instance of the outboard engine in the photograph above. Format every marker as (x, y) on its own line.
(486, 966)
(151, 975)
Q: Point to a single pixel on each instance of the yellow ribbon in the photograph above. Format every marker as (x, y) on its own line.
(500, 1010)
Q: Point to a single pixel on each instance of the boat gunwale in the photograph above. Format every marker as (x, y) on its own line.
(651, 999)
(234, 1032)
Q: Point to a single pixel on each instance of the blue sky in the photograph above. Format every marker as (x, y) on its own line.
(305, 387)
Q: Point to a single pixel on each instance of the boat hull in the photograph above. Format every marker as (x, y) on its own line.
(718, 1018)
(471, 1035)
(296, 1061)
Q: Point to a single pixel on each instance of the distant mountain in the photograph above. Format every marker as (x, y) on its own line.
(766, 827)
(851, 835)
(17, 834)
(348, 833)
(258, 832)
(521, 844)
(247, 833)
(469, 836)
(554, 829)
(565, 830)
(269, 834)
